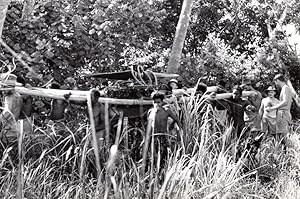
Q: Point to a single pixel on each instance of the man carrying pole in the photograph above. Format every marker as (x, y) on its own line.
(283, 114)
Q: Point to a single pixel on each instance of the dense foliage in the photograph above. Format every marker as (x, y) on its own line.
(66, 38)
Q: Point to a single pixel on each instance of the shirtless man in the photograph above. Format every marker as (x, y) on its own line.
(283, 115)
(238, 106)
(268, 119)
(159, 115)
(252, 117)
(98, 112)
(58, 106)
(162, 113)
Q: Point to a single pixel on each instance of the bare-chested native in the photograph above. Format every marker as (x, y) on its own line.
(58, 106)
(159, 115)
(252, 117)
(283, 114)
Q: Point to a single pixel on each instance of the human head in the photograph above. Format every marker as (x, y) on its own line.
(237, 92)
(95, 94)
(222, 83)
(70, 82)
(201, 88)
(279, 80)
(246, 84)
(173, 84)
(271, 91)
(21, 80)
(158, 97)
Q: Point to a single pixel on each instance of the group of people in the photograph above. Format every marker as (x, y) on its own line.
(269, 115)
(18, 107)
(248, 111)
(251, 113)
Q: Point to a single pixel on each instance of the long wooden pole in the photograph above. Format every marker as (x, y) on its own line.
(77, 95)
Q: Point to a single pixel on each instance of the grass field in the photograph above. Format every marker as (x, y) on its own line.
(58, 162)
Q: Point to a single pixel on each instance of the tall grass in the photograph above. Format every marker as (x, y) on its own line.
(58, 162)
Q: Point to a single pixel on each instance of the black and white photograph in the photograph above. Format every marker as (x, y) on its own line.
(150, 99)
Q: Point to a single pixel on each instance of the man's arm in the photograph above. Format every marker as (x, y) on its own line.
(175, 118)
(287, 94)
(261, 109)
(249, 107)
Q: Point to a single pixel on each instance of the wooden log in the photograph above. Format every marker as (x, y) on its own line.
(210, 89)
(192, 90)
(53, 93)
(77, 95)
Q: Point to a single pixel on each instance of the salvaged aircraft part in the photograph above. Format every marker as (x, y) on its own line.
(127, 74)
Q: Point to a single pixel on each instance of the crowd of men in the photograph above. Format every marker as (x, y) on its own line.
(260, 116)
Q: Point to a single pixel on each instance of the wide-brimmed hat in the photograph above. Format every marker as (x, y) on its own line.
(173, 80)
(271, 88)
(9, 80)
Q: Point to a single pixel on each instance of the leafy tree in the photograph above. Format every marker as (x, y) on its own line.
(67, 38)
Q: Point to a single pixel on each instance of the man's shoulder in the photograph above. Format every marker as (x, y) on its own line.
(287, 90)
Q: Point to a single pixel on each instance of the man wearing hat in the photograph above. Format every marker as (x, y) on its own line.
(283, 116)
(268, 119)
(12, 108)
(173, 84)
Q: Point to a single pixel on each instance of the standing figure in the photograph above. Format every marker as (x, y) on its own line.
(11, 110)
(252, 116)
(238, 106)
(283, 115)
(98, 113)
(58, 106)
(159, 115)
(27, 108)
(268, 118)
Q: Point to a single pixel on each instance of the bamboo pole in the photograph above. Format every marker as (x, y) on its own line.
(94, 136)
(78, 95)
(107, 124)
(20, 193)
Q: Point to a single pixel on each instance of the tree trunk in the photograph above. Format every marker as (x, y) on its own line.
(3, 9)
(181, 30)
(27, 8)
